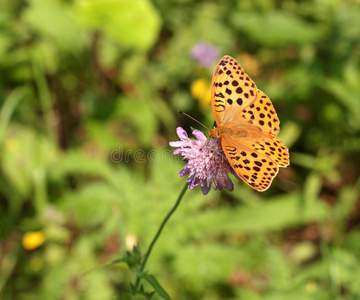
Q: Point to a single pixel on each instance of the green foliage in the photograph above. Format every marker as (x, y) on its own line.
(157, 287)
(132, 24)
(89, 94)
(281, 28)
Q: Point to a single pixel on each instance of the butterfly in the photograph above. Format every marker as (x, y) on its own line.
(247, 125)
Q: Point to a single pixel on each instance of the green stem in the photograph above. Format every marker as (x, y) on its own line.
(172, 210)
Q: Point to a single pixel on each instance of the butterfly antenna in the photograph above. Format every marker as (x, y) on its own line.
(185, 114)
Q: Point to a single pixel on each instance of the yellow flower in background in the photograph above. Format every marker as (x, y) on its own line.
(201, 90)
(33, 239)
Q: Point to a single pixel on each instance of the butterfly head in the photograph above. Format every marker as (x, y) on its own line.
(215, 133)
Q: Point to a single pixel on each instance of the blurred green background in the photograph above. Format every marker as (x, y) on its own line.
(89, 94)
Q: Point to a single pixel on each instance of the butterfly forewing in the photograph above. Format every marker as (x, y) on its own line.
(232, 90)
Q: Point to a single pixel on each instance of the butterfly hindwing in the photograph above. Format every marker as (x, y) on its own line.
(232, 90)
(274, 149)
(254, 168)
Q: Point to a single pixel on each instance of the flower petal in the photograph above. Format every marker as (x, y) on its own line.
(184, 171)
(205, 189)
(182, 134)
(176, 144)
(178, 151)
(199, 135)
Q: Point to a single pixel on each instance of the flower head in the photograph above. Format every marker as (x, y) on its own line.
(33, 239)
(206, 162)
(205, 54)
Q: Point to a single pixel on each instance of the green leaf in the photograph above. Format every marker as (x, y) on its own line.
(312, 187)
(276, 28)
(134, 24)
(156, 285)
(21, 167)
(54, 19)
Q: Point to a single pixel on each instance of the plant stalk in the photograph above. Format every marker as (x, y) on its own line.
(167, 217)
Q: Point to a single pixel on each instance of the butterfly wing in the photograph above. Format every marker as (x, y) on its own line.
(251, 162)
(261, 113)
(231, 91)
(273, 149)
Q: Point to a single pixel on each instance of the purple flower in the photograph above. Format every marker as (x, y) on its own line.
(206, 162)
(205, 54)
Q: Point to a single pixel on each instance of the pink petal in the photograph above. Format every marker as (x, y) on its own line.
(178, 151)
(176, 144)
(199, 135)
(182, 133)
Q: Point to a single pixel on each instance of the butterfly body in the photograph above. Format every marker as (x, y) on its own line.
(247, 125)
(236, 131)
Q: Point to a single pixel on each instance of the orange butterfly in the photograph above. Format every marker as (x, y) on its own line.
(247, 125)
